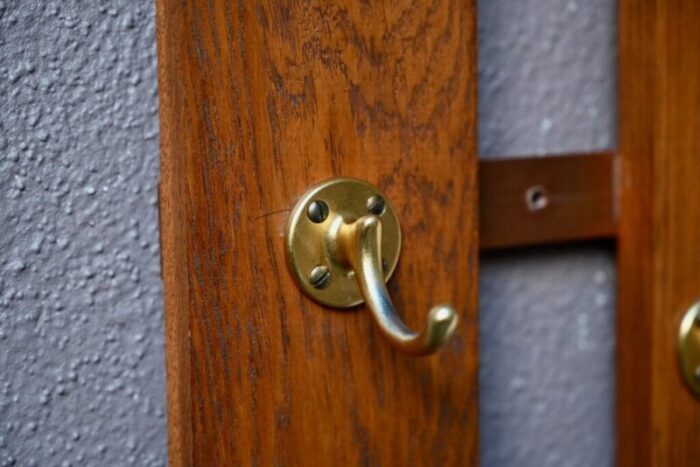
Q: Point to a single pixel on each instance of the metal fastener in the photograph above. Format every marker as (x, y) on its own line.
(320, 277)
(376, 205)
(318, 211)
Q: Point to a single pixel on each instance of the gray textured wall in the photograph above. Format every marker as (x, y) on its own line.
(81, 358)
(547, 84)
(81, 336)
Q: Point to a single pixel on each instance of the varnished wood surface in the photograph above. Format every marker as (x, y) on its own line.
(259, 100)
(659, 241)
(578, 189)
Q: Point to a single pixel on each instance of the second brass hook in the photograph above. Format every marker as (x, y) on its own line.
(343, 244)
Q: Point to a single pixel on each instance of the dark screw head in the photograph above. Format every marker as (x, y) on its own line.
(318, 211)
(376, 205)
(697, 375)
(320, 277)
(385, 265)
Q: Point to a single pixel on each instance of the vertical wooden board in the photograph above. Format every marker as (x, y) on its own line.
(659, 239)
(260, 100)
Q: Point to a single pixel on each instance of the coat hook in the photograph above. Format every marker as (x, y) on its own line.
(343, 244)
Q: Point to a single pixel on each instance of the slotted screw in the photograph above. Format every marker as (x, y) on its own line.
(320, 277)
(376, 205)
(317, 211)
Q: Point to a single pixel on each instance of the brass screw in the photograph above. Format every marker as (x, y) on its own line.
(376, 205)
(317, 211)
(320, 277)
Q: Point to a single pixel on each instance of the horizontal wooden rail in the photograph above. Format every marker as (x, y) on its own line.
(534, 200)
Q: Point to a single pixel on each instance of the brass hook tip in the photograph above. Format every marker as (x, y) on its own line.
(443, 314)
(442, 323)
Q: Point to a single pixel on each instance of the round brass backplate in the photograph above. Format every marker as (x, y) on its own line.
(689, 348)
(312, 225)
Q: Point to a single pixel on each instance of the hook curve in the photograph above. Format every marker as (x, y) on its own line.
(359, 244)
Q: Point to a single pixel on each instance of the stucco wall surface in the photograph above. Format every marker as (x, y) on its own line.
(81, 338)
(547, 78)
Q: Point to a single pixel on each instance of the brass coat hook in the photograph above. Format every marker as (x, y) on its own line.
(343, 244)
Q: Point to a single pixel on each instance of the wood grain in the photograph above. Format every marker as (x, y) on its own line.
(260, 100)
(578, 204)
(659, 240)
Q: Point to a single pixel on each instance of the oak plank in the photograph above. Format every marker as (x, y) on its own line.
(259, 100)
(659, 254)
